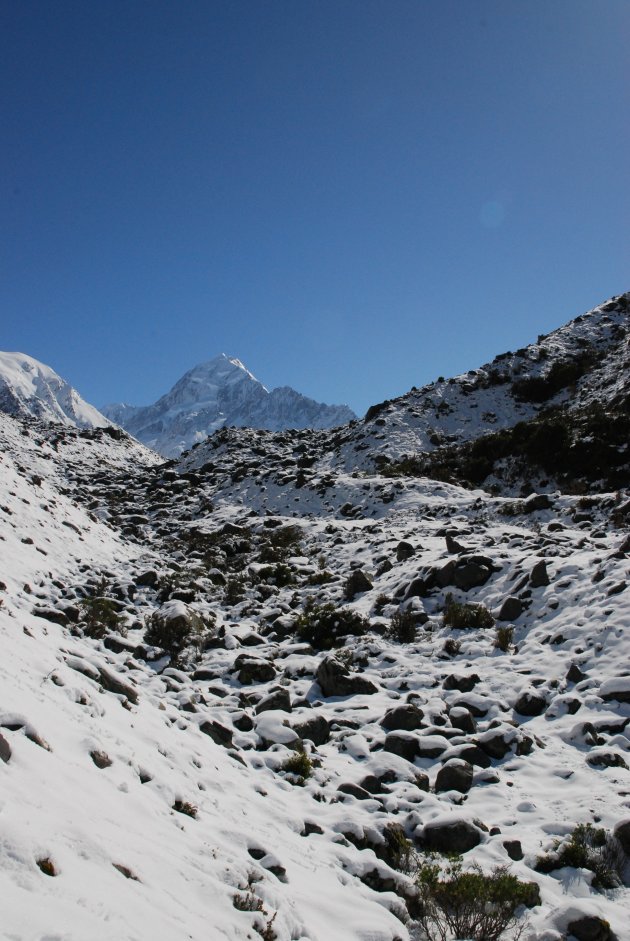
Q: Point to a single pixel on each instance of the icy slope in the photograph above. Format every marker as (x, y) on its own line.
(215, 394)
(28, 387)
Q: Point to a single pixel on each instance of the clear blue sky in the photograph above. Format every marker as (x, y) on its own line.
(351, 196)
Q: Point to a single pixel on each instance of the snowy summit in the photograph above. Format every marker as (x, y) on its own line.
(28, 387)
(218, 393)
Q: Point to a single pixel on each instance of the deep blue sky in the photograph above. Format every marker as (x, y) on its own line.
(351, 196)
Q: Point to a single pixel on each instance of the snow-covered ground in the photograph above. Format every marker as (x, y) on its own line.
(145, 796)
(127, 864)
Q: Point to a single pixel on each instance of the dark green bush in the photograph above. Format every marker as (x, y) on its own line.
(592, 848)
(300, 765)
(100, 616)
(175, 634)
(470, 904)
(460, 615)
(504, 638)
(279, 575)
(325, 626)
(403, 627)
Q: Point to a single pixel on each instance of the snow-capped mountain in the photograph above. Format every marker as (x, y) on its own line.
(28, 387)
(215, 394)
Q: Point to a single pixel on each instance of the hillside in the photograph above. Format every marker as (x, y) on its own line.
(253, 691)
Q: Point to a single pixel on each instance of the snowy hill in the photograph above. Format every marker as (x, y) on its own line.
(254, 691)
(218, 393)
(28, 387)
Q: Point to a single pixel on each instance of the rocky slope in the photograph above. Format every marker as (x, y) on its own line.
(30, 388)
(220, 393)
(255, 691)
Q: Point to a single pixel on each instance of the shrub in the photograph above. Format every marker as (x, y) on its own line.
(234, 590)
(470, 904)
(325, 626)
(402, 627)
(279, 575)
(299, 765)
(504, 638)
(398, 851)
(100, 616)
(460, 615)
(175, 634)
(282, 542)
(592, 848)
(452, 647)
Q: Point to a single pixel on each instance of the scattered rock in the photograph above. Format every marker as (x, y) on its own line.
(454, 775)
(404, 551)
(539, 576)
(530, 703)
(335, 679)
(511, 609)
(451, 836)
(5, 749)
(315, 729)
(278, 699)
(406, 718)
(590, 928)
(101, 759)
(217, 732)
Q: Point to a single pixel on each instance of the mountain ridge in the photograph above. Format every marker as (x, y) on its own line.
(219, 392)
(31, 388)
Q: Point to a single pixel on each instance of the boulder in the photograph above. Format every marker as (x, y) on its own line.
(622, 833)
(590, 928)
(53, 615)
(5, 749)
(538, 501)
(357, 583)
(514, 849)
(335, 679)
(616, 689)
(406, 718)
(253, 670)
(278, 699)
(217, 732)
(404, 551)
(511, 609)
(530, 703)
(454, 775)
(539, 576)
(462, 683)
(451, 836)
(316, 729)
(462, 719)
(404, 744)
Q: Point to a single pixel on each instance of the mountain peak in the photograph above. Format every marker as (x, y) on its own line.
(30, 388)
(217, 393)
